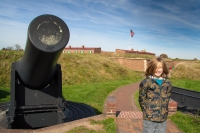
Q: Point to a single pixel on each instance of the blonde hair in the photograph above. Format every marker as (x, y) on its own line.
(152, 65)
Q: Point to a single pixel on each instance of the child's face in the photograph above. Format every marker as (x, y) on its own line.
(159, 70)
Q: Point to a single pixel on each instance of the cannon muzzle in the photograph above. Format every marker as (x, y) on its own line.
(47, 37)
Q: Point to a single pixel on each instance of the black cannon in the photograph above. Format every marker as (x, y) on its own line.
(36, 80)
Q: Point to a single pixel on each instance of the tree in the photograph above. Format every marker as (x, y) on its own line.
(163, 56)
(17, 47)
(9, 48)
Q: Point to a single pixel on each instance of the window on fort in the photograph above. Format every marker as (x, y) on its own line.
(82, 51)
(76, 51)
(68, 51)
(90, 52)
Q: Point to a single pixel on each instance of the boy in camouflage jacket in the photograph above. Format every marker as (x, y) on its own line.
(154, 96)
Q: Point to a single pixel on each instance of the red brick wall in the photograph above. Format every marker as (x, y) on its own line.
(133, 64)
(78, 51)
(119, 51)
(97, 50)
(82, 50)
(138, 64)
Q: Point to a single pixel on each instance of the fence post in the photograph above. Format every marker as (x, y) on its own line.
(172, 107)
(111, 107)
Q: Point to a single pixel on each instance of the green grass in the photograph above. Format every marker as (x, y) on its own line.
(186, 123)
(93, 94)
(83, 129)
(187, 84)
(136, 96)
(77, 70)
(109, 126)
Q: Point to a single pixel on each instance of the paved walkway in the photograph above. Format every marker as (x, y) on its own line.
(129, 117)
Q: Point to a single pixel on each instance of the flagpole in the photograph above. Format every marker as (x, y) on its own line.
(130, 43)
(131, 35)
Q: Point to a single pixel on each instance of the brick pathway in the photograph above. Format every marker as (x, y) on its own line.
(129, 117)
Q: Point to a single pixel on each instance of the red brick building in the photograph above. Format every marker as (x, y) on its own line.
(138, 64)
(132, 51)
(82, 49)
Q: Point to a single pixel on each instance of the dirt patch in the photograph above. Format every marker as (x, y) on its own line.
(95, 127)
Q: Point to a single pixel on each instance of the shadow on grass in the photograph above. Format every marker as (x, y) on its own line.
(76, 110)
(189, 110)
(82, 107)
(96, 110)
(3, 94)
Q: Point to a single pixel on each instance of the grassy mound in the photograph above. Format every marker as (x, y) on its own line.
(92, 68)
(76, 68)
(187, 70)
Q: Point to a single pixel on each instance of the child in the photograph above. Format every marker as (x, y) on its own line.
(154, 96)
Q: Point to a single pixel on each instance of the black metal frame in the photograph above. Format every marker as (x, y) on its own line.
(186, 97)
(30, 108)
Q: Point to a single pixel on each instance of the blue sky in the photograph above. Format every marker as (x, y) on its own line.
(171, 27)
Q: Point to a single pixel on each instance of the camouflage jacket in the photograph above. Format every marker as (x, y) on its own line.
(154, 99)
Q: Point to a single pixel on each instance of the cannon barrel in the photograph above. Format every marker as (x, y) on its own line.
(47, 37)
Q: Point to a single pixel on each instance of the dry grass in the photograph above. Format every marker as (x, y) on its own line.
(187, 70)
(76, 68)
(90, 68)
(6, 59)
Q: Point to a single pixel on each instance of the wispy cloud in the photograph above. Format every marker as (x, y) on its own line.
(158, 25)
